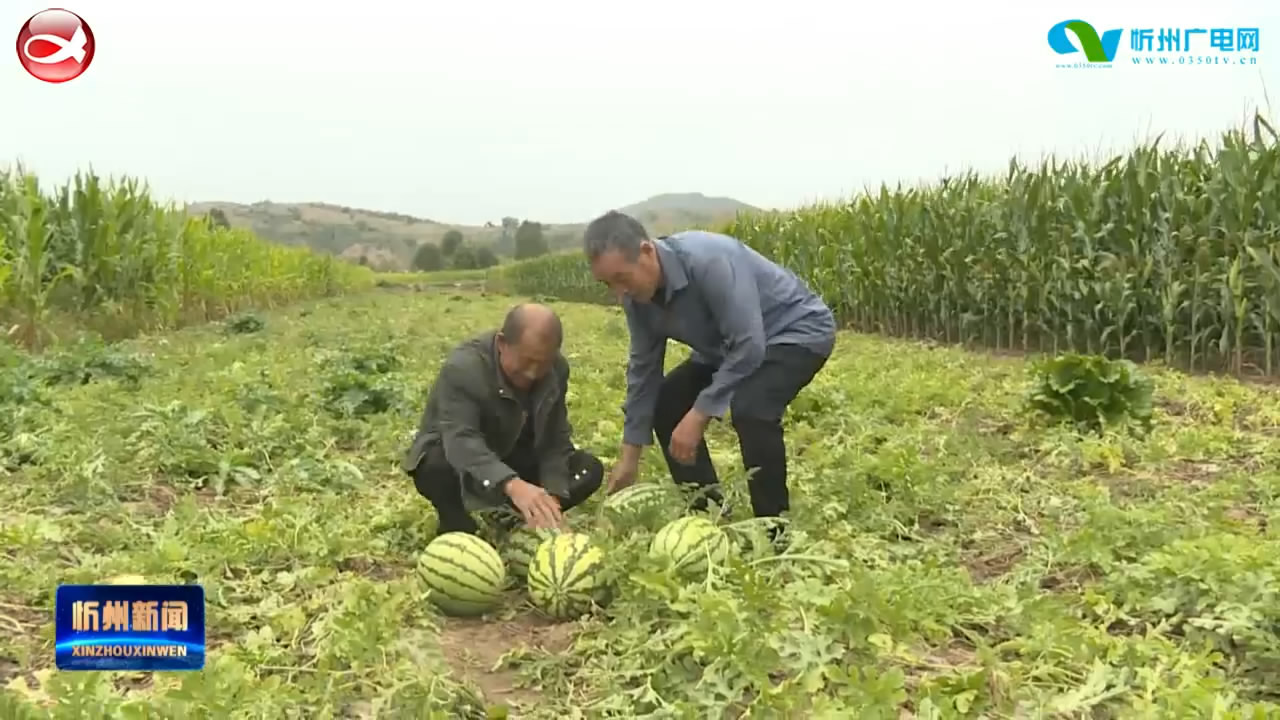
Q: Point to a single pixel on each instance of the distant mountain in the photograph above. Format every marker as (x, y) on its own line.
(674, 210)
(388, 241)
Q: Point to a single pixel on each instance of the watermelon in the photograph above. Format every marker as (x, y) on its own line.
(464, 573)
(520, 546)
(564, 578)
(635, 498)
(689, 544)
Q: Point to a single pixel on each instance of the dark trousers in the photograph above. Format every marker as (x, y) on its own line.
(756, 411)
(442, 486)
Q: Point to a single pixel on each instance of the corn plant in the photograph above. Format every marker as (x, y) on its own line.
(32, 272)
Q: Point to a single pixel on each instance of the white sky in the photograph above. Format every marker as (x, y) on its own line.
(556, 110)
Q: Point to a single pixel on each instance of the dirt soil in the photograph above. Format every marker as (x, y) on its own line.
(474, 646)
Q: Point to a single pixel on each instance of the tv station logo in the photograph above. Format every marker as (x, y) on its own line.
(55, 45)
(130, 627)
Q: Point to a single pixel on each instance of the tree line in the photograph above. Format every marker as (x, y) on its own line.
(455, 253)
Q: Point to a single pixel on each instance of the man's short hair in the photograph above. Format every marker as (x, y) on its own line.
(517, 321)
(614, 231)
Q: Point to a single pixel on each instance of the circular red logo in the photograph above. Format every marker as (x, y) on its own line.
(55, 45)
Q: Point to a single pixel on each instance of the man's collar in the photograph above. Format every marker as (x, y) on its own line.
(674, 277)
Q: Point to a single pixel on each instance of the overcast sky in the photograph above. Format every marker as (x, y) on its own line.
(558, 110)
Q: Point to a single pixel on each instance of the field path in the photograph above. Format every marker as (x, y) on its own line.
(475, 647)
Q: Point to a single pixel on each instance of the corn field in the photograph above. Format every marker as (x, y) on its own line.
(564, 275)
(104, 255)
(1169, 254)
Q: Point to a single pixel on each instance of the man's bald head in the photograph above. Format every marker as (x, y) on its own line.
(528, 343)
(532, 321)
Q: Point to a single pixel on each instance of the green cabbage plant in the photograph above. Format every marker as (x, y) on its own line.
(1092, 392)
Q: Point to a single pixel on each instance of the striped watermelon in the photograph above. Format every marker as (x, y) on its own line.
(564, 578)
(465, 574)
(688, 544)
(520, 546)
(635, 498)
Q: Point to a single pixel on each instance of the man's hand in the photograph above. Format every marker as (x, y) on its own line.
(621, 477)
(687, 435)
(624, 472)
(541, 510)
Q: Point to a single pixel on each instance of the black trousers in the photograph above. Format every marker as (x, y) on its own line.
(441, 484)
(756, 410)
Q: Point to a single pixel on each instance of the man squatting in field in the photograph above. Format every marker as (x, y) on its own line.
(495, 432)
(758, 336)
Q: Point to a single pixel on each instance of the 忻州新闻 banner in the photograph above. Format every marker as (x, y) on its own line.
(129, 627)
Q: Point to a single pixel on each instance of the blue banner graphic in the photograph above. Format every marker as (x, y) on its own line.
(129, 627)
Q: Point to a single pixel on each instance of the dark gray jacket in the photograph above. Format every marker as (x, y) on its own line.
(473, 419)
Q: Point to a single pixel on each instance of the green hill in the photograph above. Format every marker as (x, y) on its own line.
(388, 240)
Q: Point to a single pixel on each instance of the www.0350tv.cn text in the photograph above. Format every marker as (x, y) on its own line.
(1195, 60)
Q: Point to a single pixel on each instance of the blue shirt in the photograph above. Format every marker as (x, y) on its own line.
(727, 302)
